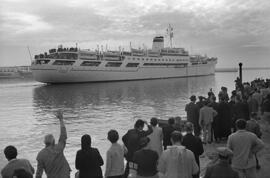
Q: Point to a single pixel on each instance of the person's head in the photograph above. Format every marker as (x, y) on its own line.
(154, 121)
(171, 121)
(254, 115)
(85, 142)
(176, 137)
(21, 173)
(241, 124)
(49, 140)
(178, 119)
(201, 98)
(143, 142)
(10, 152)
(224, 153)
(139, 124)
(193, 98)
(189, 127)
(113, 136)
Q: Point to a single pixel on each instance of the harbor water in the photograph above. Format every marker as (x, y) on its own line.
(27, 108)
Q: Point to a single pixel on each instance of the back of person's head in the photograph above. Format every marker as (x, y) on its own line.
(241, 124)
(176, 136)
(143, 142)
(139, 123)
(10, 152)
(192, 98)
(113, 136)
(49, 140)
(254, 115)
(154, 121)
(189, 127)
(171, 121)
(178, 119)
(85, 142)
(21, 173)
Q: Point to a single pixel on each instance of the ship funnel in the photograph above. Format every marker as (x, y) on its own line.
(158, 43)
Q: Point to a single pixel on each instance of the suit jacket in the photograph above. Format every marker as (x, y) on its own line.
(89, 163)
(8, 170)
(194, 144)
(220, 170)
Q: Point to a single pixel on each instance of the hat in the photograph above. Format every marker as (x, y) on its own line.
(193, 97)
(143, 141)
(224, 151)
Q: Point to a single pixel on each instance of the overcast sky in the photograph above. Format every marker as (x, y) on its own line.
(232, 30)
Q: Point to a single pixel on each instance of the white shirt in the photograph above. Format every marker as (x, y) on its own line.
(156, 138)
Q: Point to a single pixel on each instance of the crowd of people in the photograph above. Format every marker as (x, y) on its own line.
(158, 152)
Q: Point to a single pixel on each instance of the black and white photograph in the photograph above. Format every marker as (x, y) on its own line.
(135, 88)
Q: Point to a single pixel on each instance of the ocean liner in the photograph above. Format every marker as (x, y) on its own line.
(73, 65)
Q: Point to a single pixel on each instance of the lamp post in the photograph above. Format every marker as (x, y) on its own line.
(240, 72)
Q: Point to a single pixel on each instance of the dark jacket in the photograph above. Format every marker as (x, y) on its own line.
(194, 144)
(131, 141)
(89, 162)
(167, 130)
(220, 170)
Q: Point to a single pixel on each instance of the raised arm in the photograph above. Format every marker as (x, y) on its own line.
(63, 131)
(149, 130)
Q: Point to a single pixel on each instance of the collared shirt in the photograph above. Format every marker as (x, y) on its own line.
(244, 144)
(52, 159)
(8, 170)
(177, 161)
(115, 160)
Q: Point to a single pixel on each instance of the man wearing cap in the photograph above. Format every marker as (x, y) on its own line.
(244, 145)
(177, 161)
(222, 169)
(193, 115)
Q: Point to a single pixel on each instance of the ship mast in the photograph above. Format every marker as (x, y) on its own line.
(170, 33)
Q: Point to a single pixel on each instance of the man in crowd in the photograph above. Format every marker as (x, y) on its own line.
(193, 115)
(131, 141)
(193, 143)
(167, 130)
(177, 161)
(222, 169)
(51, 158)
(14, 164)
(244, 145)
(206, 118)
(156, 137)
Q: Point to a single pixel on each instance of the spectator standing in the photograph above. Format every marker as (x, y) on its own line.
(207, 115)
(167, 130)
(193, 115)
(177, 161)
(224, 118)
(244, 145)
(156, 137)
(222, 169)
(145, 161)
(15, 164)
(115, 157)
(131, 141)
(52, 158)
(88, 160)
(193, 143)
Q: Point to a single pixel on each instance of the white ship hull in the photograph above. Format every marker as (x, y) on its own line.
(73, 74)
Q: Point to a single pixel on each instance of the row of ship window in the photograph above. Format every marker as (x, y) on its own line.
(109, 64)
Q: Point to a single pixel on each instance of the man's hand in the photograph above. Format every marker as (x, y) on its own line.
(59, 115)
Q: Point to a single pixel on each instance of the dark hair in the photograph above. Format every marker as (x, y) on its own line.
(171, 121)
(176, 136)
(253, 115)
(21, 173)
(10, 152)
(153, 121)
(139, 123)
(113, 136)
(240, 124)
(85, 142)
